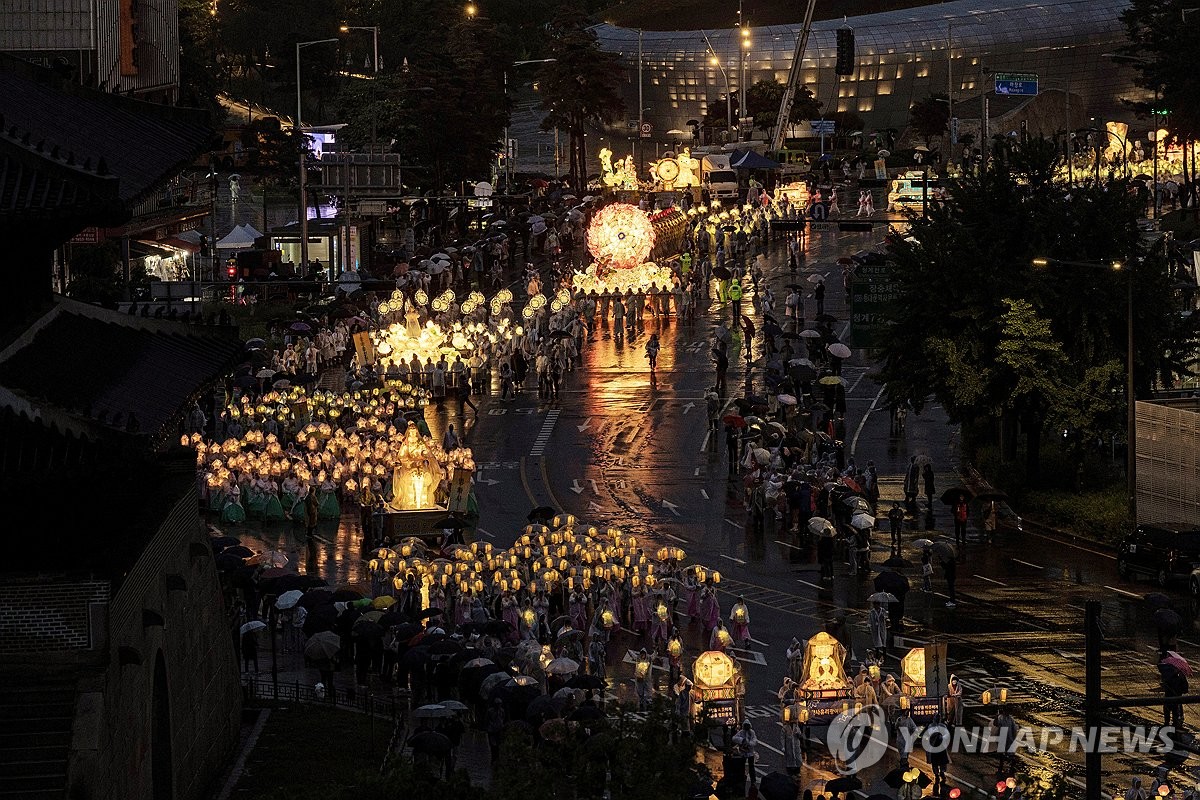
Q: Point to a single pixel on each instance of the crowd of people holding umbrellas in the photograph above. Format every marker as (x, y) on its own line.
(489, 636)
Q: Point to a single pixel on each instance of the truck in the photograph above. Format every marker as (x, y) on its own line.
(719, 177)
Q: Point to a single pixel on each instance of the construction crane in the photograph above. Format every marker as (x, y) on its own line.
(793, 82)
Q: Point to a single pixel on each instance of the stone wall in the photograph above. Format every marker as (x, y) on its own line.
(40, 614)
(168, 609)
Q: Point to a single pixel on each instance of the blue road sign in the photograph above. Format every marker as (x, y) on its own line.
(825, 126)
(1019, 83)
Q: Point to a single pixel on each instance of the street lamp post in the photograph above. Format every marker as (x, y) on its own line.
(716, 62)
(301, 160)
(1131, 401)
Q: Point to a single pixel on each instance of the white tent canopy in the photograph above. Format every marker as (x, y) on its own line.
(240, 238)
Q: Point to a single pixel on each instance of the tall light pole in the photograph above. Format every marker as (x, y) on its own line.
(301, 159)
(1131, 400)
(743, 89)
(716, 62)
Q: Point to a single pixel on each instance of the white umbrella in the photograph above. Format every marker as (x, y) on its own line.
(762, 455)
(264, 373)
(922, 543)
(838, 349)
(786, 400)
(253, 625)
(538, 228)
(288, 599)
(809, 334)
(921, 148)
(820, 526)
(816, 278)
(884, 153)
(883, 597)
(862, 522)
(273, 558)
(803, 362)
(562, 666)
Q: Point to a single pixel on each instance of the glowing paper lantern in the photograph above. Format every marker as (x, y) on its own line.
(620, 235)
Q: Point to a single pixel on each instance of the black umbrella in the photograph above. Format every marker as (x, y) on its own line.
(321, 618)
(778, 786)
(316, 597)
(541, 709)
(951, 495)
(892, 582)
(1167, 619)
(431, 742)
(228, 562)
(406, 630)
(346, 596)
(771, 329)
(586, 713)
(541, 513)
(585, 682)
(1158, 600)
(988, 495)
(517, 699)
(220, 543)
(802, 374)
(797, 286)
(241, 551)
(414, 657)
(790, 335)
(828, 318)
(722, 273)
(559, 335)
(896, 562)
(446, 647)
(429, 612)
(368, 630)
(394, 618)
(847, 784)
(450, 521)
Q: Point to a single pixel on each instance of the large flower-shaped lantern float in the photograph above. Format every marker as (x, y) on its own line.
(620, 236)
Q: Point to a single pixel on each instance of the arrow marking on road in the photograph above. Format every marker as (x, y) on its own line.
(704, 493)
(593, 507)
(674, 509)
(621, 485)
(586, 424)
(592, 481)
(486, 481)
(575, 487)
(688, 407)
(731, 558)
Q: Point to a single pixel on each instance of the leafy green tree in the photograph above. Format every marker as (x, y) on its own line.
(764, 98)
(1163, 40)
(580, 87)
(929, 117)
(992, 337)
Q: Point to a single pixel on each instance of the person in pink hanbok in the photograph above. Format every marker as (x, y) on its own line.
(739, 615)
(577, 610)
(692, 589)
(510, 612)
(639, 608)
(710, 609)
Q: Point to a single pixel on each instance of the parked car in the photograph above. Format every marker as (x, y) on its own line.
(1164, 554)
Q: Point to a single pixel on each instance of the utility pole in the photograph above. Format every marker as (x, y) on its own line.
(641, 103)
(301, 159)
(1093, 635)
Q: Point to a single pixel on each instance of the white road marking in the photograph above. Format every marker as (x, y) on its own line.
(731, 522)
(1121, 591)
(989, 580)
(676, 538)
(705, 494)
(862, 422)
(1028, 564)
(731, 558)
(806, 583)
(704, 444)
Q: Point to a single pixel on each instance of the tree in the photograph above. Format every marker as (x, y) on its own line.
(580, 87)
(765, 96)
(199, 69)
(444, 116)
(929, 117)
(995, 339)
(1163, 41)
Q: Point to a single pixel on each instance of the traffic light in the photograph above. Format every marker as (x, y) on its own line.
(845, 52)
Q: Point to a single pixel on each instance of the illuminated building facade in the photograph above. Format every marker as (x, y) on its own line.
(901, 57)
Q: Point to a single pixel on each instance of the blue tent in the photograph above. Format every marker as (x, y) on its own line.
(751, 160)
